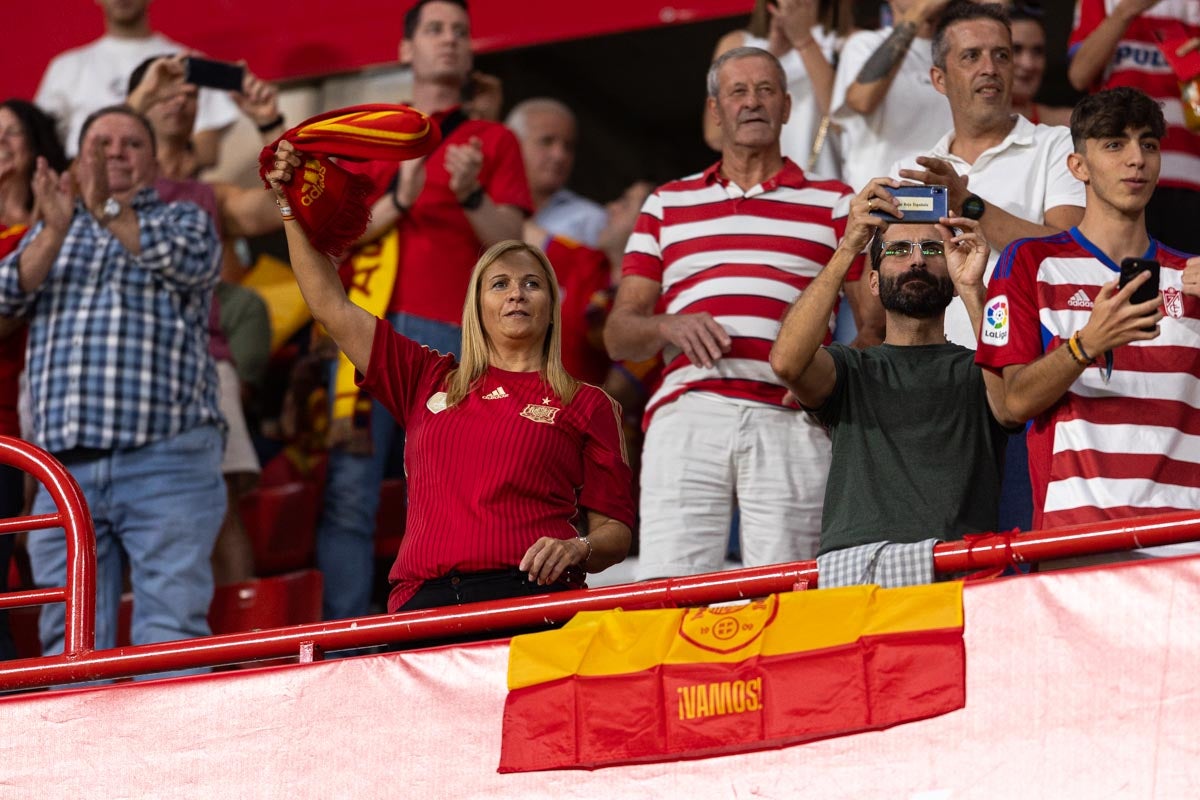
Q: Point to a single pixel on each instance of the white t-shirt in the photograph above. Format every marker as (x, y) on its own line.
(88, 78)
(797, 137)
(909, 120)
(1026, 174)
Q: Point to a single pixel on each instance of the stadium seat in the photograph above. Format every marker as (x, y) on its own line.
(273, 602)
(290, 599)
(282, 524)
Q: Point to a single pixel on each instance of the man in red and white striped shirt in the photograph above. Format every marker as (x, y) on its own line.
(1120, 43)
(713, 264)
(1102, 446)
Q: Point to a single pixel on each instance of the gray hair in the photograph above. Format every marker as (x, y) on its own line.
(737, 54)
(518, 117)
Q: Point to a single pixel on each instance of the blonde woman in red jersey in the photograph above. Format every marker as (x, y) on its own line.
(517, 477)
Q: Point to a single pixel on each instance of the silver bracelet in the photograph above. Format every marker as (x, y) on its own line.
(588, 557)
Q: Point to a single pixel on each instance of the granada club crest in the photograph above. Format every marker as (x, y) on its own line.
(1173, 302)
(727, 629)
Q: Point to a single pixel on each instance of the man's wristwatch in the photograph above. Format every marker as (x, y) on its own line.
(110, 210)
(472, 201)
(973, 206)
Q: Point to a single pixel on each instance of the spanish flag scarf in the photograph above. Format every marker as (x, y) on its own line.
(370, 277)
(331, 205)
(328, 201)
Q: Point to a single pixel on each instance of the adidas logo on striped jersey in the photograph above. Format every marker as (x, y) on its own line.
(496, 394)
(1080, 300)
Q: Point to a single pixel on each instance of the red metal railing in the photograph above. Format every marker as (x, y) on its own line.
(79, 594)
(81, 662)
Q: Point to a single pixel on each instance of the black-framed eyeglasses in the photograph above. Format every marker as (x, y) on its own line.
(901, 248)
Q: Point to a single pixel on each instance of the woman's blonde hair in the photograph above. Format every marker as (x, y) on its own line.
(476, 347)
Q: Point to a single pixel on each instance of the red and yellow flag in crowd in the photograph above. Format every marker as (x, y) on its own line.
(617, 687)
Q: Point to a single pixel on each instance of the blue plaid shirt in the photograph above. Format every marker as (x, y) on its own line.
(118, 344)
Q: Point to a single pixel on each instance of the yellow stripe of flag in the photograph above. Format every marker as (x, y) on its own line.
(622, 642)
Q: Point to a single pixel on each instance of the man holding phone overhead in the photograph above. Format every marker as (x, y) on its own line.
(80, 81)
(1112, 385)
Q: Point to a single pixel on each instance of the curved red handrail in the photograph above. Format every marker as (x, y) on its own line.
(79, 595)
(81, 661)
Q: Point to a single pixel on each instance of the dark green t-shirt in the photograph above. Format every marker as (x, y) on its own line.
(916, 451)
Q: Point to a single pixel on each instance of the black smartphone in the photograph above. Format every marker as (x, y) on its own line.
(213, 74)
(1132, 267)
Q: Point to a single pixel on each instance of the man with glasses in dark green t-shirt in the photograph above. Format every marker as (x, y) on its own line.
(918, 430)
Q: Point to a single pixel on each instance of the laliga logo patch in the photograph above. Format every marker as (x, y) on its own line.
(1173, 302)
(995, 321)
(725, 629)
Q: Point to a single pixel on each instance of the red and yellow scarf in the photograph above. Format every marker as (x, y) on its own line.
(329, 202)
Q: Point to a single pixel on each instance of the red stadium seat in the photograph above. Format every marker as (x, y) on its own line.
(274, 602)
(23, 625)
(282, 524)
(291, 599)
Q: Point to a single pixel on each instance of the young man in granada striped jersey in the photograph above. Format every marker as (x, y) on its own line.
(1112, 386)
(713, 263)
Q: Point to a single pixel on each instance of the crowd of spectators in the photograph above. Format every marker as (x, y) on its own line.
(707, 306)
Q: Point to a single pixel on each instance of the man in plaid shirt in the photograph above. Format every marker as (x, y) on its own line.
(117, 286)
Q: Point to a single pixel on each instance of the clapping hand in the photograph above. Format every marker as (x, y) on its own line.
(54, 197)
(464, 162)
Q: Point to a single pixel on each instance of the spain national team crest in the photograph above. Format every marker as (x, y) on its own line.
(1173, 302)
(726, 629)
(540, 413)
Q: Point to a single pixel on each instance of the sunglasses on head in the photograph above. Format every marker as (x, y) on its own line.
(901, 248)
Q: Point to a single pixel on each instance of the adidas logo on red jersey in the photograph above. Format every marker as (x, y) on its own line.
(1080, 300)
(496, 394)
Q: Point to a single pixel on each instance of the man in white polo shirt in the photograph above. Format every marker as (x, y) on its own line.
(1017, 168)
(713, 263)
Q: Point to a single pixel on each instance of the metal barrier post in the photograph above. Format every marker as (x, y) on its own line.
(79, 595)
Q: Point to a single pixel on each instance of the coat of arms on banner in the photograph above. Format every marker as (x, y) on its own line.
(725, 629)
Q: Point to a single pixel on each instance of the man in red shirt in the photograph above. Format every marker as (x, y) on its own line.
(446, 209)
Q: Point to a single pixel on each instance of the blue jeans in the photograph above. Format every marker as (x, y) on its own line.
(346, 533)
(161, 504)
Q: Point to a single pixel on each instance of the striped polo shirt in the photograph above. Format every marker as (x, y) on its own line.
(742, 256)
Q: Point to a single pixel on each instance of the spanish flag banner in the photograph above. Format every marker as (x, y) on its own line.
(619, 687)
